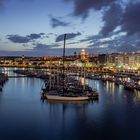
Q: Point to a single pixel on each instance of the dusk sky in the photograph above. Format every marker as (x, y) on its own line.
(36, 27)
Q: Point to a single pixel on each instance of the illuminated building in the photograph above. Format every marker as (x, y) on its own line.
(83, 54)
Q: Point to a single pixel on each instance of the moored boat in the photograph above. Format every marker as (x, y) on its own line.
(129, 86)
(62, 87)
(66, 98)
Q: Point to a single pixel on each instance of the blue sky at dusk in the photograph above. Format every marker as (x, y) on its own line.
(36, 27)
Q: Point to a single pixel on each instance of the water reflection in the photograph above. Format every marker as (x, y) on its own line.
(24, 116)
(137, 97)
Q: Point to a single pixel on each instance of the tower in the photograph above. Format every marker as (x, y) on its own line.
(83, 54)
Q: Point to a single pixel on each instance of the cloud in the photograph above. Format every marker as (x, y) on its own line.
(35, 36)
(121, 28)
(55, 22)
(69, 36)
(111, 18)
(18, 39)
(130, 19)
(127, 18)
(40, 46)
(24, 39)
(116, 13)
(72, 43)
(91, 38)
(129, 43)
(82, 7)
(117, 44)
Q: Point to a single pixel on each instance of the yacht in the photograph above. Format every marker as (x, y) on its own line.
(61, 87)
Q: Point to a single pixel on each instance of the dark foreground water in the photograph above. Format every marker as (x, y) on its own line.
(23, 116)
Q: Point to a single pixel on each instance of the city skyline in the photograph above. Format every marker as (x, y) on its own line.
(36, 27)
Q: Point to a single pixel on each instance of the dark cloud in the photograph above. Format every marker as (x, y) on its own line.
(118, 19)
(128, 43)
(24, 39)
(35, 36)
(50, 33)
(42, 33)
(118, 44)
(55, 22)
(127, 18)
(116, 13)
(111, 18)
(18, 39)
(130, 24)
(69, 36)
(82, 7)
(40, 46)
(131, 19)
(25, 45)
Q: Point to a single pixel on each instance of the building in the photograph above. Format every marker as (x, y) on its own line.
(119, 60)
(83, 55)
(111, 59)
(102, 59)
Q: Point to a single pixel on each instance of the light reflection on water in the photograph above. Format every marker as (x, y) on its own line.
(24, 116)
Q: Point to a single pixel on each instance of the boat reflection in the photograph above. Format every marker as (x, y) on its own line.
(136, 97)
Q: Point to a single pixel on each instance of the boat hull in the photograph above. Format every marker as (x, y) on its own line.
(66, 98)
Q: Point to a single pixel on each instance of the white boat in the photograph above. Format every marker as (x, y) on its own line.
(66, 98)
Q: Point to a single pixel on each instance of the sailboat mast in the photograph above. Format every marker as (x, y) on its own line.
(64, 51)
(64, 61)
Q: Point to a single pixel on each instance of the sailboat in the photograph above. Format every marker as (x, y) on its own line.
(62, 88)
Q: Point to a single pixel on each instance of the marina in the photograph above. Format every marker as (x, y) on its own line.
(73, 99)
(69, 69)
(30, 114)
(125, 80)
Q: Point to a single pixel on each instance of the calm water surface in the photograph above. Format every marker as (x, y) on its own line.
(23, 116)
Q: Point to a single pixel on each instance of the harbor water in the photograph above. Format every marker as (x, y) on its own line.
(24, 116)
